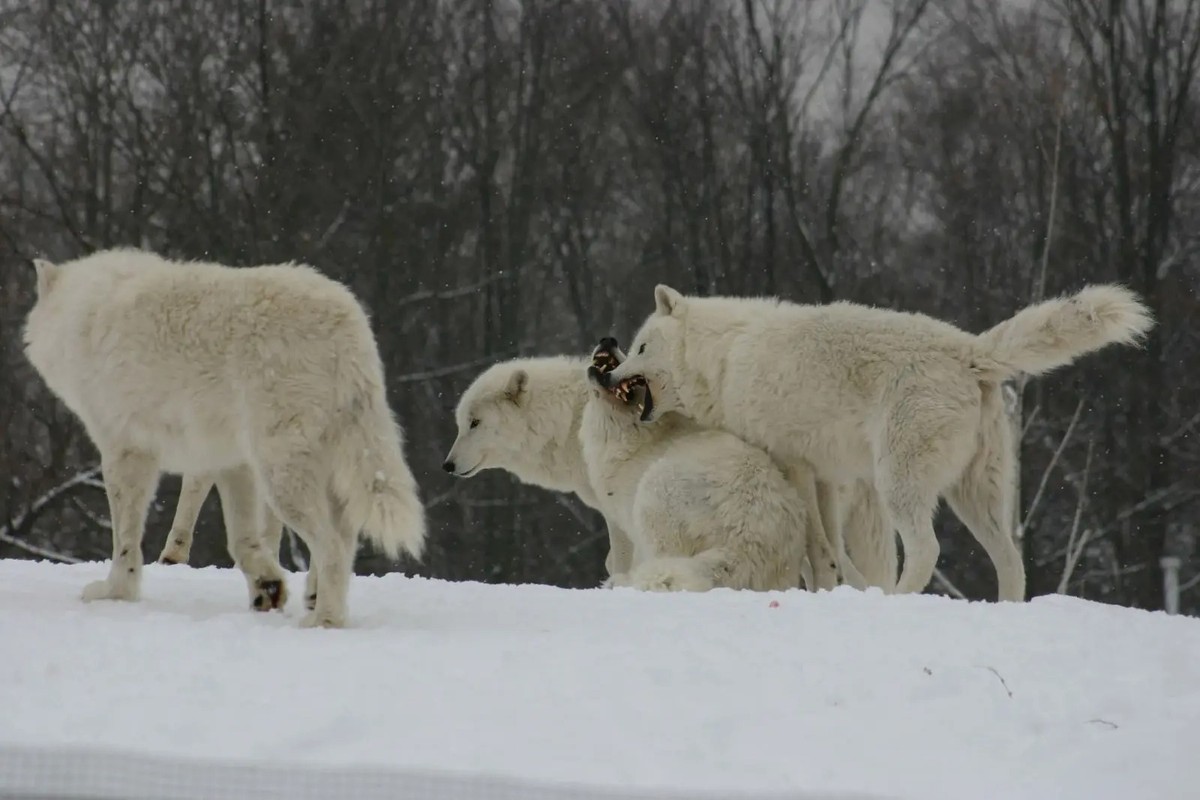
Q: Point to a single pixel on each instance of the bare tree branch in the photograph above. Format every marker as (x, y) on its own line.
(39, 505)
(1075, 548)
(1037, 497)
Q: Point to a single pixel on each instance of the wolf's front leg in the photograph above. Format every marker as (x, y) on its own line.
(821, 555)
(192, 491)
(310, 587)
(130, 477)
(831, 506)
(806, 574)
(333, 562)
(620, 553)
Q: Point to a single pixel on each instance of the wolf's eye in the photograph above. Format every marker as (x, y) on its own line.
(641, 349)
(474, 423)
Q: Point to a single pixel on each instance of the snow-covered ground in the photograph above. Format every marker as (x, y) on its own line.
(467, 690)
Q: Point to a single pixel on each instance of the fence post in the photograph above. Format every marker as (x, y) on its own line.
(1170, 568)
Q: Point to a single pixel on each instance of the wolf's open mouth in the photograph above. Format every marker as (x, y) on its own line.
(634, 391)
(631, 391)
(605, 360)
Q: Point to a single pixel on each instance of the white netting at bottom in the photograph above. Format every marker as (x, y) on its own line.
(29, 774)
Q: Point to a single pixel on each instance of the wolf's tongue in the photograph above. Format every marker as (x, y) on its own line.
(647, 403)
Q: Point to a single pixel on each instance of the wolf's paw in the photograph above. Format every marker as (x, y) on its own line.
(668, 580)
(322, 619)
(310, 589)
(176, 551)
(662, 583)
(106, 590)
(268, 593)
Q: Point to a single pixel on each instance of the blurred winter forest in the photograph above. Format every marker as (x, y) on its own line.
(504, 177)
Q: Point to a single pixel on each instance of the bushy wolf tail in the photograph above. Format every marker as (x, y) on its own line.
(372, 480)
(1054, 333)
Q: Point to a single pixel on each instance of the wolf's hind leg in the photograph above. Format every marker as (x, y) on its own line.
(822, 557)
(246, 523)
(130, 477)
(192, 492)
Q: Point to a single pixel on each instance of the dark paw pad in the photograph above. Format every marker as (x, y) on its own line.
(165, 560)
(310, 602)
(270, 595)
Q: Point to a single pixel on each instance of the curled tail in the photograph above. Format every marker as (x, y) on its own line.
(1054, 333)
(373, 482)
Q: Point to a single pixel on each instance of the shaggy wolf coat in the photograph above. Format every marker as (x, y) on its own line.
(910, 403)
(267, 376)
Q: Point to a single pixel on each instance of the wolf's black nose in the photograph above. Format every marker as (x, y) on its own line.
(448, 466)
(608, 343)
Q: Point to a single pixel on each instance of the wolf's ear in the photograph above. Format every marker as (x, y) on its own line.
(518, 386)
(667, 301)
(47, 275)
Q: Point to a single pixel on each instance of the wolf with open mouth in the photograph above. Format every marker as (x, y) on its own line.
(633, 391)
(703, 508)
(908, 405)
(522, 416)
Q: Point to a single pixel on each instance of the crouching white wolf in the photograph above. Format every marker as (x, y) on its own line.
(268, 377)
(908, 402)
(523, 416)
(703, 508)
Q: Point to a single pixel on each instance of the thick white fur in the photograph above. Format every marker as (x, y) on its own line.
(703, 508)
(907, 402)
(528, 412)
(268, 377)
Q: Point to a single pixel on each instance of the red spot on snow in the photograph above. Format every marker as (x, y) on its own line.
(773, 604)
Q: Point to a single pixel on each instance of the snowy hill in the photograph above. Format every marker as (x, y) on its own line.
(453, 690)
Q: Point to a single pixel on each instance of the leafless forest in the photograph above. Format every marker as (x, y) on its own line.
(504, 177)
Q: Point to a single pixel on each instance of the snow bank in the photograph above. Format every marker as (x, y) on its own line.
(468, 690)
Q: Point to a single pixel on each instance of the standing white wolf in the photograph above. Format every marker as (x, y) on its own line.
(703, 508)
(267, 376)
(903, 400)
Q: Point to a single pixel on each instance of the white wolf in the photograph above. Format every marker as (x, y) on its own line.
(703, 508)
(523, 416)
(903, 400)
(267, 376)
